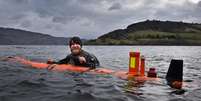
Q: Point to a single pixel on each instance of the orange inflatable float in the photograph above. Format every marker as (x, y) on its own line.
(136, 69)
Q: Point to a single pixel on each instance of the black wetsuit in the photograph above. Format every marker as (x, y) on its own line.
(91, 60)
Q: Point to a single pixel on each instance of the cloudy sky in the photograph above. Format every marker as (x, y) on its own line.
(91, 18)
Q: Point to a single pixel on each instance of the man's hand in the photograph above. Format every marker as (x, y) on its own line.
(50, 61)
(82, 59)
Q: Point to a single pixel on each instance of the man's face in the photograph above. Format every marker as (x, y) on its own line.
(75, 48)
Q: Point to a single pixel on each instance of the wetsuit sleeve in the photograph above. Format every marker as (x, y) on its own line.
(92, 61)
(63, 61)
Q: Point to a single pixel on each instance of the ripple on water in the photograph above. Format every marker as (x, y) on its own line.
(22, 83)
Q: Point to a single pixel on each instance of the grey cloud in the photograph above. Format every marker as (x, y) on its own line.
(115, 6)
(187, 12)
(90, 18)
(199, 4)
(26, 24)
(59, 19)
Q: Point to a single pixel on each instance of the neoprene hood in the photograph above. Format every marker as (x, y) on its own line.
(76, 40)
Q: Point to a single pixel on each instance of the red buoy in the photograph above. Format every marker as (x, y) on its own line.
(142, 66)
(134, 63)
(152, 72)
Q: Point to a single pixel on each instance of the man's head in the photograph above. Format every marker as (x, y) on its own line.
(75, 45)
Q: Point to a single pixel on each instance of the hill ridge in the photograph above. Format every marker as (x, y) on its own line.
(153, 32)
(12, 36)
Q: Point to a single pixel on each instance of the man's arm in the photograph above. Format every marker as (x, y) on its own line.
(63, 61)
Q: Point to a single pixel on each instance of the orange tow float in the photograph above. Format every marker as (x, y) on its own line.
(136, 69)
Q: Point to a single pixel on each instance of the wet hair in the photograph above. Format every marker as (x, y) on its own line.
(76, 40)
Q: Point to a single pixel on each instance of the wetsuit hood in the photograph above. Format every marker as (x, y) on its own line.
(76, 40)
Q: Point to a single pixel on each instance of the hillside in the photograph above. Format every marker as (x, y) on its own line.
(153, 33)
(9, 36)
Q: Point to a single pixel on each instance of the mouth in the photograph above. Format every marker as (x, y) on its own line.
(75, 51)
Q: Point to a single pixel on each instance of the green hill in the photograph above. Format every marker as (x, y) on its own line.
(10, 36)
(153, 33)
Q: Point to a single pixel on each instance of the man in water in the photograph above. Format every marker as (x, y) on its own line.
(78, 56)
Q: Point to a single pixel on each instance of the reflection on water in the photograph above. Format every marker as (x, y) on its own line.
(19, 83)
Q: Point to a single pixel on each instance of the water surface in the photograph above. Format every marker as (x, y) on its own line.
(18, 82)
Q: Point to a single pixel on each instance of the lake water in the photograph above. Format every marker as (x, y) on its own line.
(18, 82)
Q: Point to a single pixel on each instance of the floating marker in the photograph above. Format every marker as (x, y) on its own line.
(152, 73)
(134, 63)
(142, 66)
(174, 75)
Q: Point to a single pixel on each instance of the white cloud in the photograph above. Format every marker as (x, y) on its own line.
(195, 1)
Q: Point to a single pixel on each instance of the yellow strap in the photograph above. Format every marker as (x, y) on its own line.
(132, 62)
